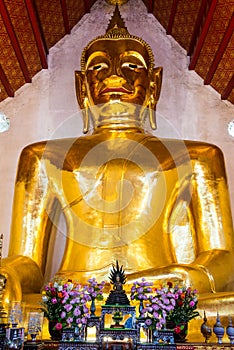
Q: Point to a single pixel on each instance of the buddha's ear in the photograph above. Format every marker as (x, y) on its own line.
(155, 89)
(80, 88)
(82, 98)
(155, 85)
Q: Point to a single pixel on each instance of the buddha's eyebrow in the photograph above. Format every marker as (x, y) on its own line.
(137, 55)
(93, 55)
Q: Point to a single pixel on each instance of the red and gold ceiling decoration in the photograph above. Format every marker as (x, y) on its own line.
(29, 28)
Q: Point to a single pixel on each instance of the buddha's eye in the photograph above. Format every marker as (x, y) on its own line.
(98, 66)
(131, 66)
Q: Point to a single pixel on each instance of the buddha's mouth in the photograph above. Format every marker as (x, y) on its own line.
(116, 90)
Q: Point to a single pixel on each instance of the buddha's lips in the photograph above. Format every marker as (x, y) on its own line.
(115, 90)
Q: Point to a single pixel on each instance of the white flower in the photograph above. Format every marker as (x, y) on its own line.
(70, 286)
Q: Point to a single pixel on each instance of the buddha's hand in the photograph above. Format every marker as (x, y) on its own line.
(19, 274)
(195, 276)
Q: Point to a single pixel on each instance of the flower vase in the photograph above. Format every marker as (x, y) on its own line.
(55, 334)
(180, 331)
(92, 308)
(141, 307)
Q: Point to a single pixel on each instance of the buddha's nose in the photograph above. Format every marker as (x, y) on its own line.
(114, 81)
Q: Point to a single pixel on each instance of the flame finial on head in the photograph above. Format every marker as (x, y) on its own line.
(116, 23)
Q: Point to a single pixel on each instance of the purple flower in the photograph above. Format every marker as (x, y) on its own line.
(169, 307)
(54, 301)
(65, 299)
(68, 307)
(173, 302)
(83, 320)
(148, 322)
(140, 290)
(77, 311)
(85, 309)
(63, 314)
(155, 307)
(69, 320)
(78, 320)
(156, 315)
(192, 303)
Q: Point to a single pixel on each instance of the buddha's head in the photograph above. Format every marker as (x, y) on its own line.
(117, 74)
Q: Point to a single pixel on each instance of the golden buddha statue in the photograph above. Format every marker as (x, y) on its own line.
(158, 206)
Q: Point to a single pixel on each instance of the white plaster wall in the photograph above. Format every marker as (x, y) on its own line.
(47, 108)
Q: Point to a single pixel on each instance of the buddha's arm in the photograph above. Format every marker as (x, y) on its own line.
(22, 275)
(200, 226)
(30, 222)
(210, 223)
(213, 222)
(207, 218)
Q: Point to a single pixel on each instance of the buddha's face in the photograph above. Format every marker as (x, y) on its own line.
(117, 70)
(116, 80)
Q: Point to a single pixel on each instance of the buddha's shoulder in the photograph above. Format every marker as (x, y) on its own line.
(51, 146)
(194, 148)
(197, 148)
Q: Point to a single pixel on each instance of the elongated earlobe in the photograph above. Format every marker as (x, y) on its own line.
(156, 79)
(155, 89)
(85, 113)
(82, 99)
(80, 88)
(152, 115)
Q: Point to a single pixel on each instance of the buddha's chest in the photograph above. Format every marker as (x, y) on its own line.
(114, 201)
(116, 192)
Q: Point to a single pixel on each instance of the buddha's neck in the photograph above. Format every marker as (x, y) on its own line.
(126, 123)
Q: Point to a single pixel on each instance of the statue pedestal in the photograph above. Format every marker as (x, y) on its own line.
(116, 345)
(37, 345)
(152, 346)
(78, 345)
